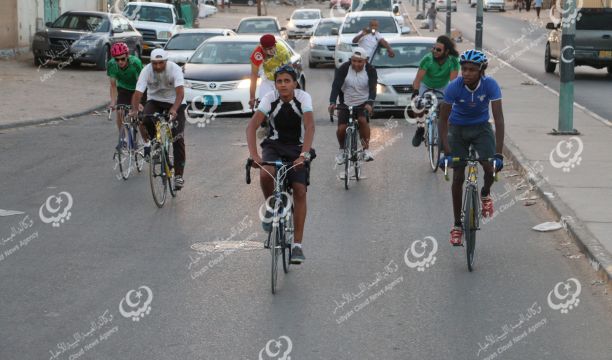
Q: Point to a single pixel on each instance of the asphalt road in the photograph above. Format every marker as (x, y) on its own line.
(522, 44)
(66, 289)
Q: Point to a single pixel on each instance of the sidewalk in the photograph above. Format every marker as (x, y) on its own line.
(572, 175)
(37, 95)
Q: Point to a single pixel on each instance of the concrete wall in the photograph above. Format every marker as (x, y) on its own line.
(28, 13)
(8, 24)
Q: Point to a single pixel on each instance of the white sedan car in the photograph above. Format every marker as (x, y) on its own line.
(181, 46)
(303, 22)
(396, 74)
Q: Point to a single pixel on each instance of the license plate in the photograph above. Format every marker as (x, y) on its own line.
(605, 54)
(210, 100)
(403, 101)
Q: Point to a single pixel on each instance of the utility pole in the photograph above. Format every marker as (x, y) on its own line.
(448, 18)
(258, 7)
(479, 22)
(566, 70)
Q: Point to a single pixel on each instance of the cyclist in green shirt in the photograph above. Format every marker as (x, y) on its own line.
(123, 70)
(436, 70)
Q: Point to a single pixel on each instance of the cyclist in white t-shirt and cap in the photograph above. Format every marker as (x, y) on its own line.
(355, 85)
(163, 80)
(369, 38)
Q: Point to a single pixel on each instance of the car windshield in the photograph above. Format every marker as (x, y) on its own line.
(372, 5)
(257, 27)
(324, 29)
(223, 53)
(385, 24)
(187, 41)
(406, 55)
(306, 15)
(595, 19)
(148, 13)
(82, 22)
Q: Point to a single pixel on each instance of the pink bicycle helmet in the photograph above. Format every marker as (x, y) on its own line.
(119, 48)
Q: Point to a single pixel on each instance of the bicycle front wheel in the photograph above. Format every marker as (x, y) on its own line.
(470, 225)
(169, 167)
(139, 159)
(357, 162)
(157, 178)
(123, 160)
(347, 157)
(433, 147)
(275, 249)
(287, 238)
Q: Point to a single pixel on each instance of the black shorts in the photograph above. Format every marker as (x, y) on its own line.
(124, 96)
(343, 113)
(274, 150)
(480, 136)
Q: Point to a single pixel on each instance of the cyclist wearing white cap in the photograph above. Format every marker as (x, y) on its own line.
(355, 84)
(164, 83)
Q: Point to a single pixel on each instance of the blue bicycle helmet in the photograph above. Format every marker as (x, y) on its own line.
(474, 57)
(286, 69)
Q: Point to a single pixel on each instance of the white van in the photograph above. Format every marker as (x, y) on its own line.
(494, 5)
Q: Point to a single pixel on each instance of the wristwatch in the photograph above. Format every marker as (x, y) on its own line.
(305, 155)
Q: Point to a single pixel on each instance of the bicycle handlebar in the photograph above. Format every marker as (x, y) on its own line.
(289, 164)
(471, 159)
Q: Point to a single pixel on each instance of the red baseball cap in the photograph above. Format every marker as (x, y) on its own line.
(267, 41)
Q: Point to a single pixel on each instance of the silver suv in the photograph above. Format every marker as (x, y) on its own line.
(593, 42)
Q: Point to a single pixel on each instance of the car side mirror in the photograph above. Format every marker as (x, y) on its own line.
(405, 30)
(180, 22)
(550, 26)
(334, 32)
(288, 19)
(49, 24)
(117, 31)
(283, 28)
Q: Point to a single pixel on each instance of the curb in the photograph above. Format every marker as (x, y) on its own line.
(598, 256)
(19, 124)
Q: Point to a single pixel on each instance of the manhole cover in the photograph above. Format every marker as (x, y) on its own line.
(221, 246)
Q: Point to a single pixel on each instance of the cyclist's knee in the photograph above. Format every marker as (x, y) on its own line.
(299, 192)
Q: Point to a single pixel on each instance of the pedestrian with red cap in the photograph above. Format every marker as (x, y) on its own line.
(268, 56)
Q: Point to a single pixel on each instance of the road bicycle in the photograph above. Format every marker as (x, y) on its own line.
(161, 164)
(430, 101)
(130, 145)
(471, 211)
(281, 237)
(352, 156)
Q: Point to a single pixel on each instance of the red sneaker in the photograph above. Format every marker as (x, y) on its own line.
(487, 206)
(456, 234)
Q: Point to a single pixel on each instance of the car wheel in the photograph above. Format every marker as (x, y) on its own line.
(549, 66)
(311, 64)
(485, 9)
(103, 59)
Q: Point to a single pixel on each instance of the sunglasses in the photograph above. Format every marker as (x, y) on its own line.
(437, 49)
(121, 59)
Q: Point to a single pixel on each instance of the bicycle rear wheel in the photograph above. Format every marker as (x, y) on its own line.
(138, 145)
(470, 225)
(169, 167)
(347, 157)
(275, 249)
(287, 237)
(433, 148)
(357, 162)
(157, 178)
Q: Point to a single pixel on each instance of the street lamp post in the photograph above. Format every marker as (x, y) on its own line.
(448, 18)
(566, 71)
(479, 22)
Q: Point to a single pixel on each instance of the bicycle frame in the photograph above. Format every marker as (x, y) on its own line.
(163, 134)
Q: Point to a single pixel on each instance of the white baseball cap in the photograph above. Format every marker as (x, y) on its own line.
(159, 55)
(360, 53)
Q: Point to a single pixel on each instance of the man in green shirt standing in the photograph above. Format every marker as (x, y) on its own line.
(436, 70)
(123, 70)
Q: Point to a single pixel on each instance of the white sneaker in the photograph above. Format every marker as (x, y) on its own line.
(367, 155)
(340, 158)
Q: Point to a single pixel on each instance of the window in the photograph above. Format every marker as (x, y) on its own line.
(82, 22)
(385, 24)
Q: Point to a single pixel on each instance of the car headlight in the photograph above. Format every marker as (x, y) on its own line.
(87, 42)
(164, 35)
(244, 84)
(381, 89)
(39, 37)
(318, 47)
(344, 47)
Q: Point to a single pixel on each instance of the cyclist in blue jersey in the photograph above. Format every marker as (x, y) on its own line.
(464, 121)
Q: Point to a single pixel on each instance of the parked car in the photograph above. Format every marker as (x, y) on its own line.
(396, 74)
(157, 22)
(217, 76)
(302, 22)
(344, 4)
(494, 5)
(84, 37)
(183, 44)
(355, 22)
(261, 25)
(592, 44)
(323, 42)
(379, 5)
(441, 5)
